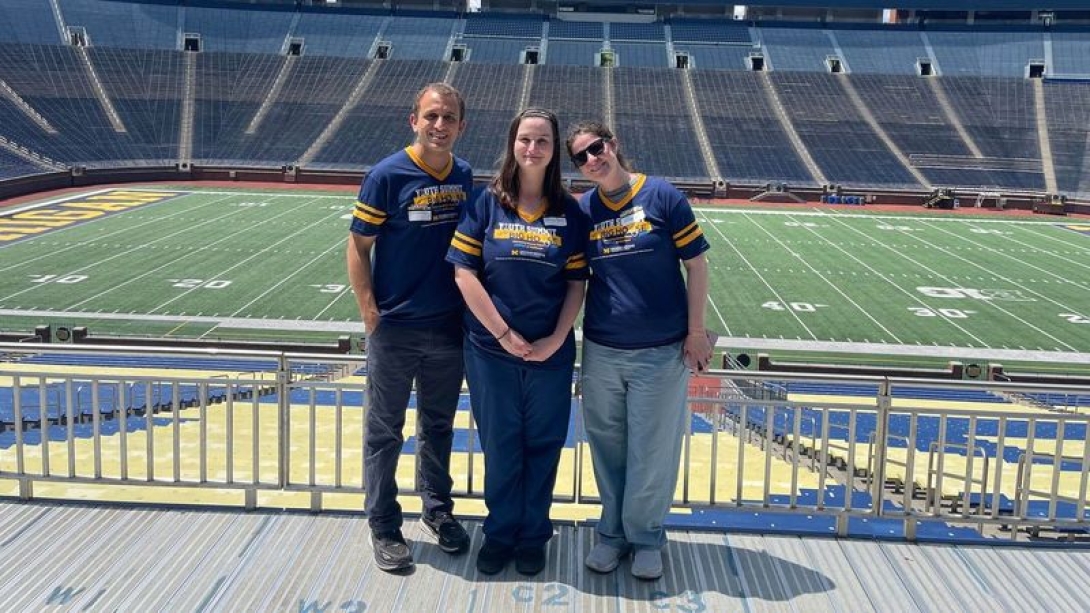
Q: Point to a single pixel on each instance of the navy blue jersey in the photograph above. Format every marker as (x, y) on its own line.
(636, 297)
(524, 265)
(412, 211)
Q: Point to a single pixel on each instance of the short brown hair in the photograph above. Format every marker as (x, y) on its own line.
(443, 89)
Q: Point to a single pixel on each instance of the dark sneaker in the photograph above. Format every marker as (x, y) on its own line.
(530, 561)
(492, 558)
(392, 553)
(450, 535)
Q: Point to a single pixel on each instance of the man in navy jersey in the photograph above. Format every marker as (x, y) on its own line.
(408, 208)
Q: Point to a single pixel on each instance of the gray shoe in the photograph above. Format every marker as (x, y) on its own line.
(647, 564)
(604, 558)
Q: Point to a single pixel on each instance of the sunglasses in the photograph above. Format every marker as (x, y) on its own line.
(595, 148)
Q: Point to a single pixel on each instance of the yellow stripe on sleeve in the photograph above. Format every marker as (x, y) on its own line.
(684, 231)
(460, 243)
(369, 214)
(697, 233)
(468, 239)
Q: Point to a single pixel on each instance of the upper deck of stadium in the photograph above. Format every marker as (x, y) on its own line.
(995, 101)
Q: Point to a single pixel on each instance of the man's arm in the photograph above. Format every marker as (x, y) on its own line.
(359, 275)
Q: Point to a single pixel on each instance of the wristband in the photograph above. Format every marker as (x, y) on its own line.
(505, 333)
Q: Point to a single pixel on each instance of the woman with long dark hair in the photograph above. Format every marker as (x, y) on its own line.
(519, 262)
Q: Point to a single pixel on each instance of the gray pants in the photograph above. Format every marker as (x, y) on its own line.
(636, 415)
(396, 358)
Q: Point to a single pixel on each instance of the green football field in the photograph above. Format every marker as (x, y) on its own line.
(269, 265)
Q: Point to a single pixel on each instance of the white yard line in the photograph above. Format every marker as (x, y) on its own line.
(1045, 271)
(285, 278)
(188, 254)
(97, 239)
(989, 303)
(292, 193)
(739, 342)
(116, 255)
(347, 291)
(902, 217)
(994, 303)
(711, 301)
(1080, 242)
(914, 297)
(245, 261)
(1069, 262)
(828, 282)
(763, 280)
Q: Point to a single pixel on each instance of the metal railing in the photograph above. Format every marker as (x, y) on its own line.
(296, 425)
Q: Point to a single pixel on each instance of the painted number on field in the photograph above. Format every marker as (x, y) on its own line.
(330, 288)
(950, 313)
(800, 224)
(886, 226)
(1011, 295)
(1075, 318)
(57, 278)
(798, 307)
(252, 204)
(986, 231)
(199, 283)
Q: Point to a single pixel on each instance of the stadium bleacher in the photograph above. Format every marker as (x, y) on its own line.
(124, 24)
(12, 165)
(650, 109)
(843, 144)
(379, 123)
(262, 94)
(490, 93)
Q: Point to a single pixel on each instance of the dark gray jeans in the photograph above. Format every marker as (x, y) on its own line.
(396, 358)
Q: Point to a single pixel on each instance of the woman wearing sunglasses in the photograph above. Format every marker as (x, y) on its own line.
(643, 331)
(519, 257)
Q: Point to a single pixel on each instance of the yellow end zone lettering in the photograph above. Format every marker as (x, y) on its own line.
(57, 215)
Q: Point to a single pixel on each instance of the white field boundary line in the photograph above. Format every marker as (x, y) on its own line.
(188, 254)
(912, 296)
(227, 322)
(122, 231)
(904, 217)
(8, 211)
(119, 254)
(1060, 278)
(826, 280)
(1083, 246)
(725, 342)
(272, 193)
(1068, 261)
(761, 278)
(55, 231)
(1016, 355)
(945, 278)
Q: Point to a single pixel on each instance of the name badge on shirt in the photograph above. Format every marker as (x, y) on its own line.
(420, 215)
(556, 221)
(635, 216)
